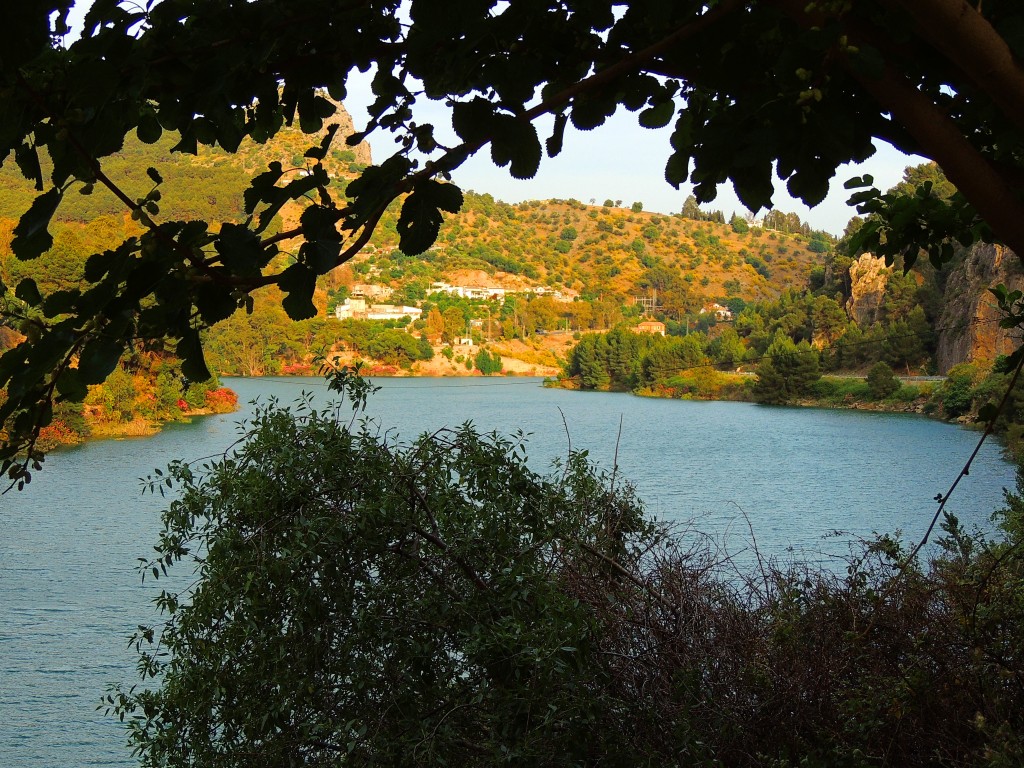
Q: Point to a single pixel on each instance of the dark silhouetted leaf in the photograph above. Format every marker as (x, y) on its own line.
(657, 116)
(299, 282)
(32, 236)
(149, 129)
(98, 359)
(515, 143)
(28, 292)
(193, 362)
(71, 386)
(319, 153)
(214, 302)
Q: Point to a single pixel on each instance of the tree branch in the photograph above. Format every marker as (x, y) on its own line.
(943, 141)
(464, 566)
(937, 135)
(966, 38)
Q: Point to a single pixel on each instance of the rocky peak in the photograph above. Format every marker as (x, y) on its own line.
(289, 144)
(868, 278)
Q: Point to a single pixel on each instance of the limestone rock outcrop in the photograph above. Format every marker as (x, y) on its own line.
(969, 326)
(868, 278)
(290, 143)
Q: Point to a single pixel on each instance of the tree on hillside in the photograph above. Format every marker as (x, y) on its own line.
(691, 210)
(739, 224)
(787, 371)
(882, 381)
(750, 87)
(488, 363)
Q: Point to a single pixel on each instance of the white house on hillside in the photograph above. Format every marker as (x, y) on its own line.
(469, 292)
(357, 308)
(721, 313)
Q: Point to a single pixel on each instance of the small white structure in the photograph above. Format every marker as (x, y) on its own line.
(392, 312)
(356, 307)
(721, 313)
(655, 327)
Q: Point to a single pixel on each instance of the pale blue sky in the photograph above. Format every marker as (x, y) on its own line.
(623, 161)
(620, 161)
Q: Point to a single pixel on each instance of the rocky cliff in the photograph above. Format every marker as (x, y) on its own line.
(289, 144)
(969, 326)
(868, 277)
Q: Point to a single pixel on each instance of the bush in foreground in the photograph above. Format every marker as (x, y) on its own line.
(360, 602)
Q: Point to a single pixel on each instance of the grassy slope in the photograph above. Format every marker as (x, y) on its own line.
(602, 258)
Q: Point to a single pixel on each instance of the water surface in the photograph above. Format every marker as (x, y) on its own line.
(70, 595)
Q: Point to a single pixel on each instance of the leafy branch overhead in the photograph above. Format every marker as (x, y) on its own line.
(750, 88)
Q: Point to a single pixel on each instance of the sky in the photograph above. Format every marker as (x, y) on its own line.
(618, 161)
(623, 161)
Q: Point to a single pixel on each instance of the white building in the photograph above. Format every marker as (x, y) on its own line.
(392, 312)
(356, 307)
(721, 313)
(469, 292)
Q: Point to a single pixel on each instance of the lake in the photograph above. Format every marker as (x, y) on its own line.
(70, 595)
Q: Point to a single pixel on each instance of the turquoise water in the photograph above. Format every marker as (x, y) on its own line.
(70, 595)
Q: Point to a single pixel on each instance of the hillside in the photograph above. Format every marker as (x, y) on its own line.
(599, 251)
(593, 250)
(601, 263)
(550, 271)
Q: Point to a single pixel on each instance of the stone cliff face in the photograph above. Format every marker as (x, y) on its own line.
(345, 129)
(969, 326)
(868, 277)
(289, 144)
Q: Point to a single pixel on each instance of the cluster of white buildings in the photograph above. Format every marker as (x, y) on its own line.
(364, 304)
(488, 293)
(358, 308)
(469, 292)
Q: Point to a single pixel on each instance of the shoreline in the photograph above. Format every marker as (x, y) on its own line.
(916, 399)
(734, 389)
(58, 435)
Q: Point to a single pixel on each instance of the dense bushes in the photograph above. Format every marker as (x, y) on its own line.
(151, 387)
(487, 363)
(624, 360)
(787, 372)
(360, 602)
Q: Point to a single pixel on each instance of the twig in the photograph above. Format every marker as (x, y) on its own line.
(615, 459)
(989, 429)
(617, 566)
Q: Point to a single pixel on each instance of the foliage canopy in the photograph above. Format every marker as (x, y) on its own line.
(748, 87)
(395, 611)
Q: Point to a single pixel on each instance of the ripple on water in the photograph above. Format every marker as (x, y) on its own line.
(70, 594)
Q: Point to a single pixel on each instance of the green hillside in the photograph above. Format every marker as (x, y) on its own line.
(593, 250)
(603, 250)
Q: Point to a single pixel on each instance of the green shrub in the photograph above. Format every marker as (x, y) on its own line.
(363, 602)
(956, 392)
(882, 381)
